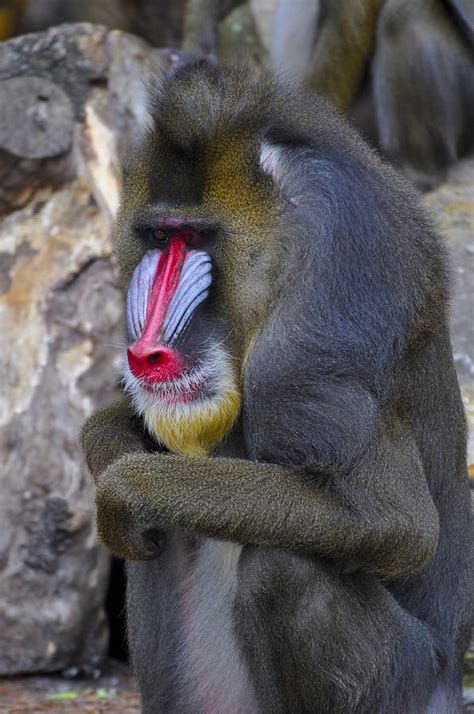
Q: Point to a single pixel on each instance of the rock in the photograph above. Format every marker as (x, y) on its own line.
(66, 65)
(71, 56)
(61, 324)
(53, 573)
(46, 129)
(60, 65)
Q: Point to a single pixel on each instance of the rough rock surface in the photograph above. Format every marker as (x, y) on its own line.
(61, 319)
(52, 571)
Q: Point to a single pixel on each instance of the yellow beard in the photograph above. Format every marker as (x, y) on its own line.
(195, 429)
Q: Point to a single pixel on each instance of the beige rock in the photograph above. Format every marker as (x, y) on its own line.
(53, 573)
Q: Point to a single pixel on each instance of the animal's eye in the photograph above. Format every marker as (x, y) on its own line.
(159, 235)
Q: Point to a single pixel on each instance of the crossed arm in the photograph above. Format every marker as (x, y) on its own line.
(378, 515)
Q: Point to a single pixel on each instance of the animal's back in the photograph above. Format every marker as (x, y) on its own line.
(438, 422)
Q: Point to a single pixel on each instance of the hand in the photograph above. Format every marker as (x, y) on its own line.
(109, 434)
(127, 523)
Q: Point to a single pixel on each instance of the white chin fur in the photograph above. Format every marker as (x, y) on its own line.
(213, 375)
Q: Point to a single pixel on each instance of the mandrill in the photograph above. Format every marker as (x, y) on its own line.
(287, 474)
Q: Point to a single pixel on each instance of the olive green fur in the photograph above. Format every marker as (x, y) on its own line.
(139, 489)
(344, 477)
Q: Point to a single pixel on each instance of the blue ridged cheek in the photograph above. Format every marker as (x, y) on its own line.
(192, 289)
(138, 293)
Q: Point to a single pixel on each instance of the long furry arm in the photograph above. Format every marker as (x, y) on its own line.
(379, 516)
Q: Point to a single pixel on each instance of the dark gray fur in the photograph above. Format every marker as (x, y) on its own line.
(345, 479)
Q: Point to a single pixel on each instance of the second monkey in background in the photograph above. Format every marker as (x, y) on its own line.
(403, 70)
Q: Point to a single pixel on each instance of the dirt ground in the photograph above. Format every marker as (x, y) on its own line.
(113, 692)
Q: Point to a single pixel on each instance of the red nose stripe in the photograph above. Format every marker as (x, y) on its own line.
(164, 284)
(146, 357)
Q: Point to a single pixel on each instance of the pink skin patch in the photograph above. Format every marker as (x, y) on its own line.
(194, 389)
(147, 359)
